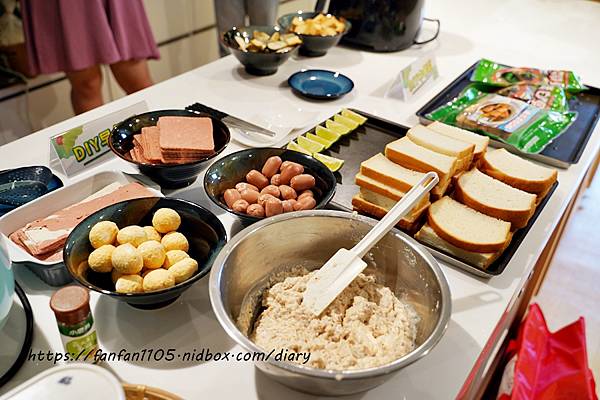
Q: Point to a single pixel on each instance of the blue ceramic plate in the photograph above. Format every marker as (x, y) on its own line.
(51, 181)
(320, 84)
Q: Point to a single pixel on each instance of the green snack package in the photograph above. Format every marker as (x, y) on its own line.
(544, 96)
(528, 128)
(495, 74)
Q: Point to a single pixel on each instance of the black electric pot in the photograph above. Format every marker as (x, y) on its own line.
(381, 25)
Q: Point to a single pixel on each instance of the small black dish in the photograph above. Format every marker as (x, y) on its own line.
(255, 63)
(313, 45)
(320, 84)
(166, 175)
(205, 233)
(228, 171)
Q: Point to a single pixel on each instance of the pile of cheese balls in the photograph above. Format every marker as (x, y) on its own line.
(281, 186)
(142, 259)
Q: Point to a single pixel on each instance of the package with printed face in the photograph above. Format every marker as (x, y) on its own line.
(528, 128)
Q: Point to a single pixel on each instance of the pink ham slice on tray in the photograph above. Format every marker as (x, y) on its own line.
(185, 138)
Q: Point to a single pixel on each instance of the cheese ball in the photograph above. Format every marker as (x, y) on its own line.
(157, 280)
(133, 234)
(174, 256)
(152, 233)
(129, 284)
(145, 272)
(183, 270)
(153, 254)
(175, 241)
(104, 232)
(166, 220)
(127, 259)
(100, 260)
(115, 275)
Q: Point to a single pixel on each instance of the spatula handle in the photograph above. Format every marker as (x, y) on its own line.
(402, 207)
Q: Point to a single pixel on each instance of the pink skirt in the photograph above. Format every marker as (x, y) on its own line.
(71, 35)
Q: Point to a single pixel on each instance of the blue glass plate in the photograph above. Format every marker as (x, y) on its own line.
(320, 84)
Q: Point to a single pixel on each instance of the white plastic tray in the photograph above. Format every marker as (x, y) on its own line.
(58, 200)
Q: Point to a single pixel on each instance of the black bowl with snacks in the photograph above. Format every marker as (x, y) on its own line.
(204, 233)
(260, 49)
(318, 36)
(233, 169)
(175, 174)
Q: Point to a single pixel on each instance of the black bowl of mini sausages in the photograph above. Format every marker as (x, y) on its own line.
(262, 182)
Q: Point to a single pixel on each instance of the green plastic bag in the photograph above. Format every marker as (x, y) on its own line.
(494, 74)
(543, 96)
(528, 128)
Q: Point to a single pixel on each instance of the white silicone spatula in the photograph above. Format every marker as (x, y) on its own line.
(345, 265)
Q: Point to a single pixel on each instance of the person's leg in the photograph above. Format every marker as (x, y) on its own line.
(229, 13)
(132, 75)
(86, 89)
(262, 12)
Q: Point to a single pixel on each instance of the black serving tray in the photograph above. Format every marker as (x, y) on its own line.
(564, 150)
(370, 139)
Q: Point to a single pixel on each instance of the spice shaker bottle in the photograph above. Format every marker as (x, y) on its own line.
(71, 306)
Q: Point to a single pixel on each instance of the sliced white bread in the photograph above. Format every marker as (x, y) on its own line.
(412, 156)
(481, 142)
(492, 197)
(466, 228)
(387, 172)
(373, 189)
(408, 223)
(428, 236)
(440, 143)
(517, 172)
(464, 164)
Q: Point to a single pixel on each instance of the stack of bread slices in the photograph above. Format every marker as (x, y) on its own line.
(481, 199)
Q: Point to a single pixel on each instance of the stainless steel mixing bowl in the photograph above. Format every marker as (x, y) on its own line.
(252, 260)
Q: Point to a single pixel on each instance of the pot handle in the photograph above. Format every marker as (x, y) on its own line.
(437, 32)
(321, 6)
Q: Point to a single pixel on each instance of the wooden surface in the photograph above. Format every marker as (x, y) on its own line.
(564, 278)
(570, 289)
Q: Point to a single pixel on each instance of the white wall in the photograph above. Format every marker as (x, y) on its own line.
(168, 19)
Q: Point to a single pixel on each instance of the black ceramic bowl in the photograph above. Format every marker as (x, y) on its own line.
(166, 175)
(228, 171)
(313, 45)
(205, 233)
(255, 63)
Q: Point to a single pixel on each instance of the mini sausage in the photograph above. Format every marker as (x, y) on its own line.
(243, 186)
(240, 206)
(287, 192)
(286, 163)
(251, 196)
(257, 179)
(302, 182)
(276, 180)
(255, 210)
(288, 205)
(305, 193)
(262, 199)
(231, 196)
(307, 203)
(273, 207)
(289, 172)
(271, 166)
(272, 190)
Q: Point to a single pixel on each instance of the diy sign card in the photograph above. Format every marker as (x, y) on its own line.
(87, 144)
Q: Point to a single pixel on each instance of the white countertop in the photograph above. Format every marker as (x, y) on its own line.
(550, 34)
